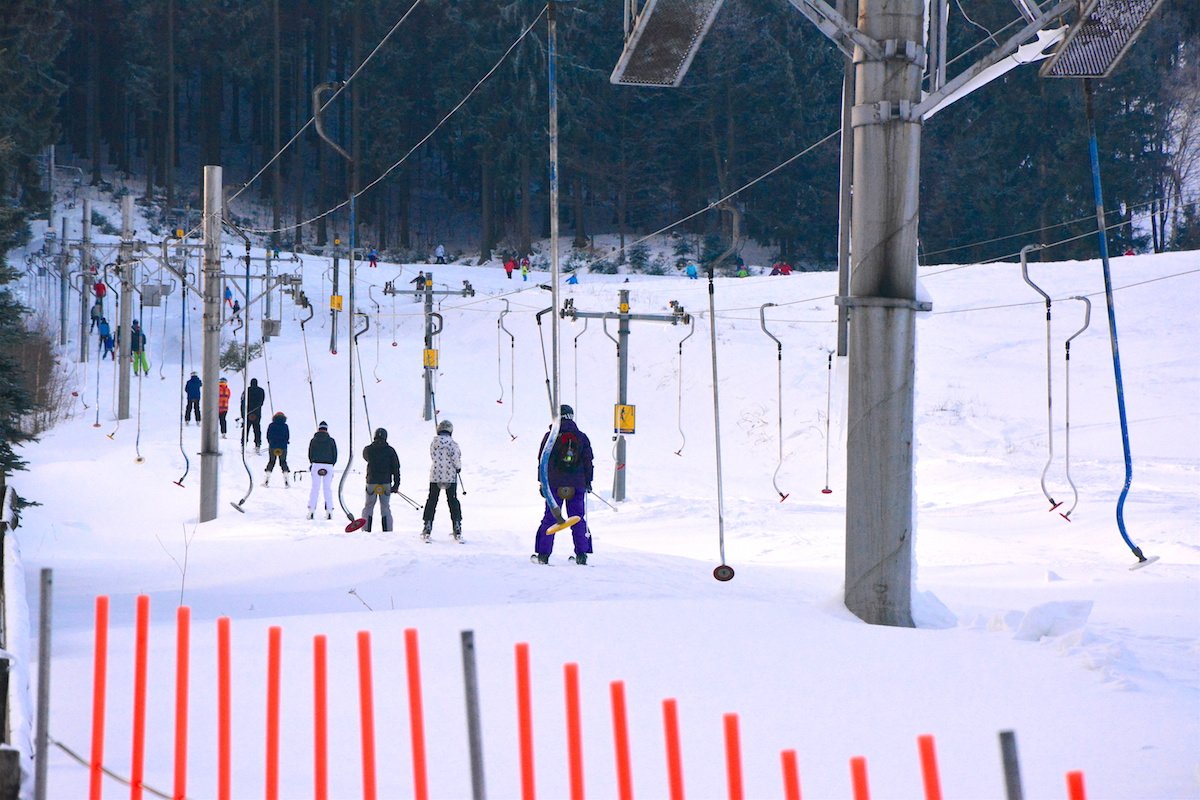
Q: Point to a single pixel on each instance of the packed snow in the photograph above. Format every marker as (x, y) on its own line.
(1028, 622)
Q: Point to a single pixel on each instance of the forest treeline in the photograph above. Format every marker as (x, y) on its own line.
(159, 88)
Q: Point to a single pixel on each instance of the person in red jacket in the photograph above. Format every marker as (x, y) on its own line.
(223, 394)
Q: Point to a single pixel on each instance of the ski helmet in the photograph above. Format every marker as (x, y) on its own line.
(445, 426)
(566, 411)
(381, 434)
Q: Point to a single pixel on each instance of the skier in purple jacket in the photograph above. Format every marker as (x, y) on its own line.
(570, 477)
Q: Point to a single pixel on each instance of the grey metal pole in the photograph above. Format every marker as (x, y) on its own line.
(125, 271)
(882, 305)
(552, 33)
(64, 285)
(211, 322)
(474, 729)
(622, 388)
(428, 412)
(1012, 769)
(849, 10)
(42, 742)
(85, 267)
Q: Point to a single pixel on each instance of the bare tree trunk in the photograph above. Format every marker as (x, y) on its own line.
(581, 235)
(525, 224)
(487, 211)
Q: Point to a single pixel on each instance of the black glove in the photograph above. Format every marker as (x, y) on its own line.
(589, 488)
(457, 471)
(396, 488)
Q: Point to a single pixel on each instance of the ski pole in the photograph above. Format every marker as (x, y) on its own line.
(602, 500)
(409, 500)
(461, 485)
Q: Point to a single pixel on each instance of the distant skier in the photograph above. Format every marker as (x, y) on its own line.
(252, 403)
(574, 279)
(439, 254)
(509, 266)
(137, 346)
(106, 340)
(322, 455)
(97, 313)
(223, 395)
(525, 269)
(229, 297)
(419, 284)
(278, 437)
(570, 477)
(191, 390)
(692, 272)
(237, 310)
(383, 479)
(446, 463)
(373, 257)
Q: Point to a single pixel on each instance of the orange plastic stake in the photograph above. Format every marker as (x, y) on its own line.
(274, 648)
(858, 778)
(525, 721)
(320, 722)
(674, 755)
(791, 775)
(224, 712)
(733, 757)
(183, 628)
(99, 682)
(621, 739)
(367, 705)
(1075, 786)
(574, 730)
(416, 714)
(929, 769)
(141, 645)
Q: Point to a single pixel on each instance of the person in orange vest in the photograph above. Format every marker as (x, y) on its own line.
(223, 394)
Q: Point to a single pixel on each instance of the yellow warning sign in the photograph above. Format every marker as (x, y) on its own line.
(624, 418)
(623, 308)
(431, 359)
(335, 302)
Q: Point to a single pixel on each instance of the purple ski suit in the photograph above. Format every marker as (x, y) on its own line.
(579, 479)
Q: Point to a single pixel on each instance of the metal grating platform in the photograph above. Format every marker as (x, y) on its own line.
(1098, 40)
(664, 40)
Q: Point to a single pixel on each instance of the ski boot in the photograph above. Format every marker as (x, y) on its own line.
(427, 531)
(266, 481)
(367, 527)
(581, 559)
(540, 558)
(328, 513)
(287, 482)
(310, 513)
(457, 533)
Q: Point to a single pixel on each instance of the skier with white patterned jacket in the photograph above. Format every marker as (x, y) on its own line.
(446, 458)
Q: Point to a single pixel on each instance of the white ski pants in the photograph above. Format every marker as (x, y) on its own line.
(322, 479)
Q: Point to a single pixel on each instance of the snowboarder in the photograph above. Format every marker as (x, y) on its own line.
(418, 286)
(192, 390)
(137, 346)
(322, 455)
(252, 403)
(570, 476)
(223, 395)
(383, 478)
(446, 463)
(373, 257)
(278, 437)
(439, 254)
(509, 266)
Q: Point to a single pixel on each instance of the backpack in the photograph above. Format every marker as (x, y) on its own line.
(567, 455)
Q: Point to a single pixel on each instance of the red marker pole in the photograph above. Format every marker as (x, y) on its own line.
(733, 757)
(224, 712)
(1075, 786)
(141, 645)
(525, 721)
(791, 775)
(674, 754)
(183, 628)
(367, 706)
(274, 650)
(320, 722)
(416, 714)
(929, 768)
(99, 682)
(574, 730)
(621, 740)
(858, 778)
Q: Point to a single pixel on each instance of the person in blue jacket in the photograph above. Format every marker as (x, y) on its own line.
(570, 476)
(277, 442)
(192, 390)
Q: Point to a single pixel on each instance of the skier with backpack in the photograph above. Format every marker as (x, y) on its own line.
(570, 477)
(443, 474)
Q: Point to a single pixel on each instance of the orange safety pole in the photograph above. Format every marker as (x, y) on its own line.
(367, 706)
(416, 714)
(574, 730)
(929, 768)
(320, 722)
(183, 629)
(99, 681)
(1075, 786)
(733, 757)
(274, 648)
(224, 712)
(791, 775)
(525, 720)
(141, 645)
(674, 755)
(858, 778)
(621, 737)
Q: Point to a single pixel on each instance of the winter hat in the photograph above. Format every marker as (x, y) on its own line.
(279, 415)
(381, 434)
(445, 426)
(324, 426)
(193, 373)
(566, 411)
(223, 380)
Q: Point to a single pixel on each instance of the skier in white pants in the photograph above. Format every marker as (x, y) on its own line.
(322, 455)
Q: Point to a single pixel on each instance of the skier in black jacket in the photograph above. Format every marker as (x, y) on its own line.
(383, 478)
(252, 403)
(322, 455)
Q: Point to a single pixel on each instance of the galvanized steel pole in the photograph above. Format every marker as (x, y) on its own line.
(211, 321)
